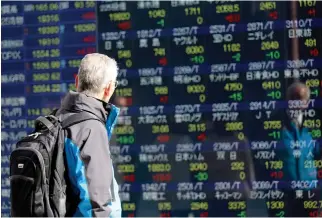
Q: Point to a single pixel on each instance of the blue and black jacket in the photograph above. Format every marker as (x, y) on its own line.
(294, 139)
(91, 186)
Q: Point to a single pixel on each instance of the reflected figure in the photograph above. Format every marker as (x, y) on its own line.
(297, 150)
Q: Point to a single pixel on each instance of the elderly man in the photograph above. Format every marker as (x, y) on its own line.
(296, 140)
(297, 150)
(91, 186)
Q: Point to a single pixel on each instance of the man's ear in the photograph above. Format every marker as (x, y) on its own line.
(76, 81)
(107, 90)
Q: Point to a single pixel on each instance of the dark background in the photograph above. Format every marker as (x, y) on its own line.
(34, 82)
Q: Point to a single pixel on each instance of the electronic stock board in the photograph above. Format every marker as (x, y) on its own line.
(200, 84)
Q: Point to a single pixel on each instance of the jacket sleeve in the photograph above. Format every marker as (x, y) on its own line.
(96, 157)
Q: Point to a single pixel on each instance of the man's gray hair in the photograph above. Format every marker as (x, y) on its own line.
(292, 91)
(95, 72)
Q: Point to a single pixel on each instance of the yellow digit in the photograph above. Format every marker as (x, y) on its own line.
(128, 63)
(242, 175)
(199, 20)
(241, 136)
(202, 98)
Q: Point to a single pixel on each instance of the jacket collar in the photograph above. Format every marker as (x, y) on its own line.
(111, 119)
(112, 113)
(77, 102)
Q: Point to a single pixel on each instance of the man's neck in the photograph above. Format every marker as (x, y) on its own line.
(105, 104)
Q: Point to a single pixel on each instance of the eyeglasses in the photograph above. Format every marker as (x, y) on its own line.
(115, 83)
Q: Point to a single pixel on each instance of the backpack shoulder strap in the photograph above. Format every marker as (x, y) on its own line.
(78, 118)
(54, 112)
(47, 121)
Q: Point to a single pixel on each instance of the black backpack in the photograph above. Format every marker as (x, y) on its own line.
(37, 168)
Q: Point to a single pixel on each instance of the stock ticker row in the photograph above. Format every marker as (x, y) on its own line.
(200, 84)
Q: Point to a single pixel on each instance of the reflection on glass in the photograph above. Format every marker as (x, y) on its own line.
(220, 100)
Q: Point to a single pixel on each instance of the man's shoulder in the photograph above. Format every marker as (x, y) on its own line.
(90, 122)
(81, 131)
(89, 126)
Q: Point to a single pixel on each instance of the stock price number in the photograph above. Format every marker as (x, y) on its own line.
(234, 126)
(275, 204)
(89, 27)
(72, 87)
(128, 206)
(313, 164)
(36, 77)
(197, 89)
(125, 92)
(164, 206)
(238, 165)
(194, 11)
(87, 4)
(307, 3)
(232, 47)
(270, 45)
(232, 87)
(312, 83)
(46, 88)
(267, 6)
(124, 130)
(236, 205)
(161, 90)
(199, 127)
(157, 168)
(310, 42)
(48, 30)
(227, 8)
(157, 52)
(120, 16)
(274, 165)
(198, 167)
(312, 123)
(38, 111)
(126, 168)
(271, 85)
(312, 204)
(46, 65)
(125, 54)
(157, 13)
(193, 50)
(49, 41)
(43, 7)
(199, 205)
(48, 18)
(272, 124)
(48, 53)
(160, 129)
(74, 63)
